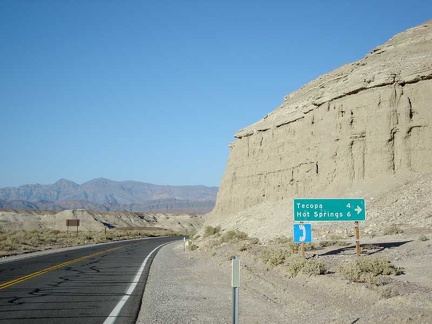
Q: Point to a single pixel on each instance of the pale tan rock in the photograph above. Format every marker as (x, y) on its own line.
(364, 120)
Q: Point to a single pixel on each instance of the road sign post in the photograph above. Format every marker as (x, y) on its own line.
(357, 236)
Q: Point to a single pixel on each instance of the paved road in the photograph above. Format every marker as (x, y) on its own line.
(87, 285)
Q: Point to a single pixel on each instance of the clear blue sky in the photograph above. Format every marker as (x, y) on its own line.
(154, 90)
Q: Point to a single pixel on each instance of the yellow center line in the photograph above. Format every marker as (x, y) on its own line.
(58, 266)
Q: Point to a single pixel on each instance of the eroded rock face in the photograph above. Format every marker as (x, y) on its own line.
(366, 119)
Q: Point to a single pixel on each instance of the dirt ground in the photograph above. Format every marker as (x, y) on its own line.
(201, 281)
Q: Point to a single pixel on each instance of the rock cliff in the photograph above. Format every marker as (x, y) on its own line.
(366, 120)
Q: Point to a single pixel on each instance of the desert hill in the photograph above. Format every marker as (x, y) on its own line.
(362, 130)
(104, 194)
(97, 220)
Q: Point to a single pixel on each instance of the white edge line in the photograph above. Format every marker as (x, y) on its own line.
(112, 317)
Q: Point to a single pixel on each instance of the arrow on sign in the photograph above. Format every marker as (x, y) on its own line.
(358, 210)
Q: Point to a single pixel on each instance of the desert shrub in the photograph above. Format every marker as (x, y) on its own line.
(254, 240)
(248, 243)
(388, 292)
(274, 256)
(423, 238)
(210, 230)
(368, 269)
(192, 247)
(288, 242)
(295, 264)
(315, 268)
(233, 236)
(392, 230)
(281, 240)
(244, 247)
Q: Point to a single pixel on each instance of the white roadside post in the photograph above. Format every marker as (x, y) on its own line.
(235, 284)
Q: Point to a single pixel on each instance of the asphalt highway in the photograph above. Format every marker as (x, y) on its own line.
(96, 284)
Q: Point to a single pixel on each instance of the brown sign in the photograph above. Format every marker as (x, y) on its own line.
(72, 222)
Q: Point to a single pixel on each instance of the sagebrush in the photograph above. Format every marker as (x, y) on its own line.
(368, 270)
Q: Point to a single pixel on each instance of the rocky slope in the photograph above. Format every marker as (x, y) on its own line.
(344, 134)
(104, 194)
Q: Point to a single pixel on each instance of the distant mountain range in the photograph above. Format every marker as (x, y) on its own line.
(104, 194)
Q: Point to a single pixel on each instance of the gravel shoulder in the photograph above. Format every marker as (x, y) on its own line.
(194, 287)
(187, 287)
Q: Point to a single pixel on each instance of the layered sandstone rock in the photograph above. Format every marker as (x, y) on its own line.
(368, 119)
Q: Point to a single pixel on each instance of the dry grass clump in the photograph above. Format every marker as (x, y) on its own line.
(192, 246)
(368, 270)
(248, 244)
(233, 236)
(236, 236)
(423, 238)
(275, 256)
(280, 254)
(281, 240)
(392, 230)
(210, 230)
(294, 263)
(288, 242)
(26, 241)
(285, 247)
(215, 238)
(297, 264)
(315, 268)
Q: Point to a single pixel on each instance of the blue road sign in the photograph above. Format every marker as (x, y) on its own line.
(302, 233)
(329, 210)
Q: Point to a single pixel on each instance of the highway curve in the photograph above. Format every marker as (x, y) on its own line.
(96, 284)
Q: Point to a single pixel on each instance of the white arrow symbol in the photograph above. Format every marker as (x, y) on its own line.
(358, 210)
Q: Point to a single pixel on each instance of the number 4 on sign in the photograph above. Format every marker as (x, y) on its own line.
(349, 205)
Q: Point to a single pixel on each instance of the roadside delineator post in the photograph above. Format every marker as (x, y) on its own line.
(235, 284)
